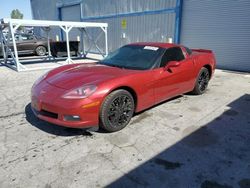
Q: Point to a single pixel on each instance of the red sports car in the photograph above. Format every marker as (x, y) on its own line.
(133, 78)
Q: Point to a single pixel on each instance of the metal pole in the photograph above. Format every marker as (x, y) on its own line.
(7, 49)
(12, 30)
(106, 41)
(3, 44)
(66, 29)
(48, 45)
(67, 42)
(82, 42)
(47, 30)
(178, 17)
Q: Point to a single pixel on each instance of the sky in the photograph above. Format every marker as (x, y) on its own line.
(6, 6)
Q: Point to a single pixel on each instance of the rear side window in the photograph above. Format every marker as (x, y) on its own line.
(30, 37)
(189, 51)
(172, 54)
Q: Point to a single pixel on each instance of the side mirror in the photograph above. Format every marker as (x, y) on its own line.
(172, 64)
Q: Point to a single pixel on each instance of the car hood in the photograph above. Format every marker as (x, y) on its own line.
(86, 74)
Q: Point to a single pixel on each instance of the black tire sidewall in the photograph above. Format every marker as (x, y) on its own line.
(197, 88)
(104, 122)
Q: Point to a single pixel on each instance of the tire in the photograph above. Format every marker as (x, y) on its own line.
(117, 110)
(40, 51)
(201, 82)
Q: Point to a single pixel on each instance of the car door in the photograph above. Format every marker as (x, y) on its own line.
(26, 43)
(173, 81)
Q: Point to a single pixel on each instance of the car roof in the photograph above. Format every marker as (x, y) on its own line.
(156, 44)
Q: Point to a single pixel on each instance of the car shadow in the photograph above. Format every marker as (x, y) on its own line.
(214, 155)
(52, 128)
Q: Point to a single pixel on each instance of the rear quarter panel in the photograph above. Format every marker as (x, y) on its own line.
(41, 43)
(203, 58)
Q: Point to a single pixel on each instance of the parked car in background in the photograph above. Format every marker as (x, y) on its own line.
(131, 79)
(29, 44)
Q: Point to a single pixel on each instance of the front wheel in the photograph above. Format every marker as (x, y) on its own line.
(117, 110)
(201, 82)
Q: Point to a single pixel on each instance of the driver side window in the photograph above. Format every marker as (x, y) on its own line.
(172, 54)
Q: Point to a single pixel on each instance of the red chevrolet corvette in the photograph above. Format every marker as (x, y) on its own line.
(133, 78)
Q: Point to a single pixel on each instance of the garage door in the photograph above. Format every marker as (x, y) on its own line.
(223, 26)
(71, 13)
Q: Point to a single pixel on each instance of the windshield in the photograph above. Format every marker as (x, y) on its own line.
(134, 57)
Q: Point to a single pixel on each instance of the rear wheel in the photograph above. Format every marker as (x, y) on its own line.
(117, 110)
(40, 50)
(201, 82)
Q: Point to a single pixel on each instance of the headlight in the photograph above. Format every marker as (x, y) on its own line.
(41, 78)
(80, 92)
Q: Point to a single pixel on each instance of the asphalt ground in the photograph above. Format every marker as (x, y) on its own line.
(189, 141)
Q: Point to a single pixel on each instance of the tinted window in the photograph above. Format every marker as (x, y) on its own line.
(189, 51)
(30, 37)
(134, 57)
(172, 54)
(26, 37)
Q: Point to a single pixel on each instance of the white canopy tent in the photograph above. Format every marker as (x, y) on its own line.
(66, 26)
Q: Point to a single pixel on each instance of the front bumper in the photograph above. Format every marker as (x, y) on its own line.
(47, 104)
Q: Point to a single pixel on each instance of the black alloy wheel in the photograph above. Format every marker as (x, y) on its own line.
(117, 110)
(202, 81)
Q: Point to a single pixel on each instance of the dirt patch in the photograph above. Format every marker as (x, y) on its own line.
(140, 117)
(176, 128)
(167, 164)
(194, 109)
